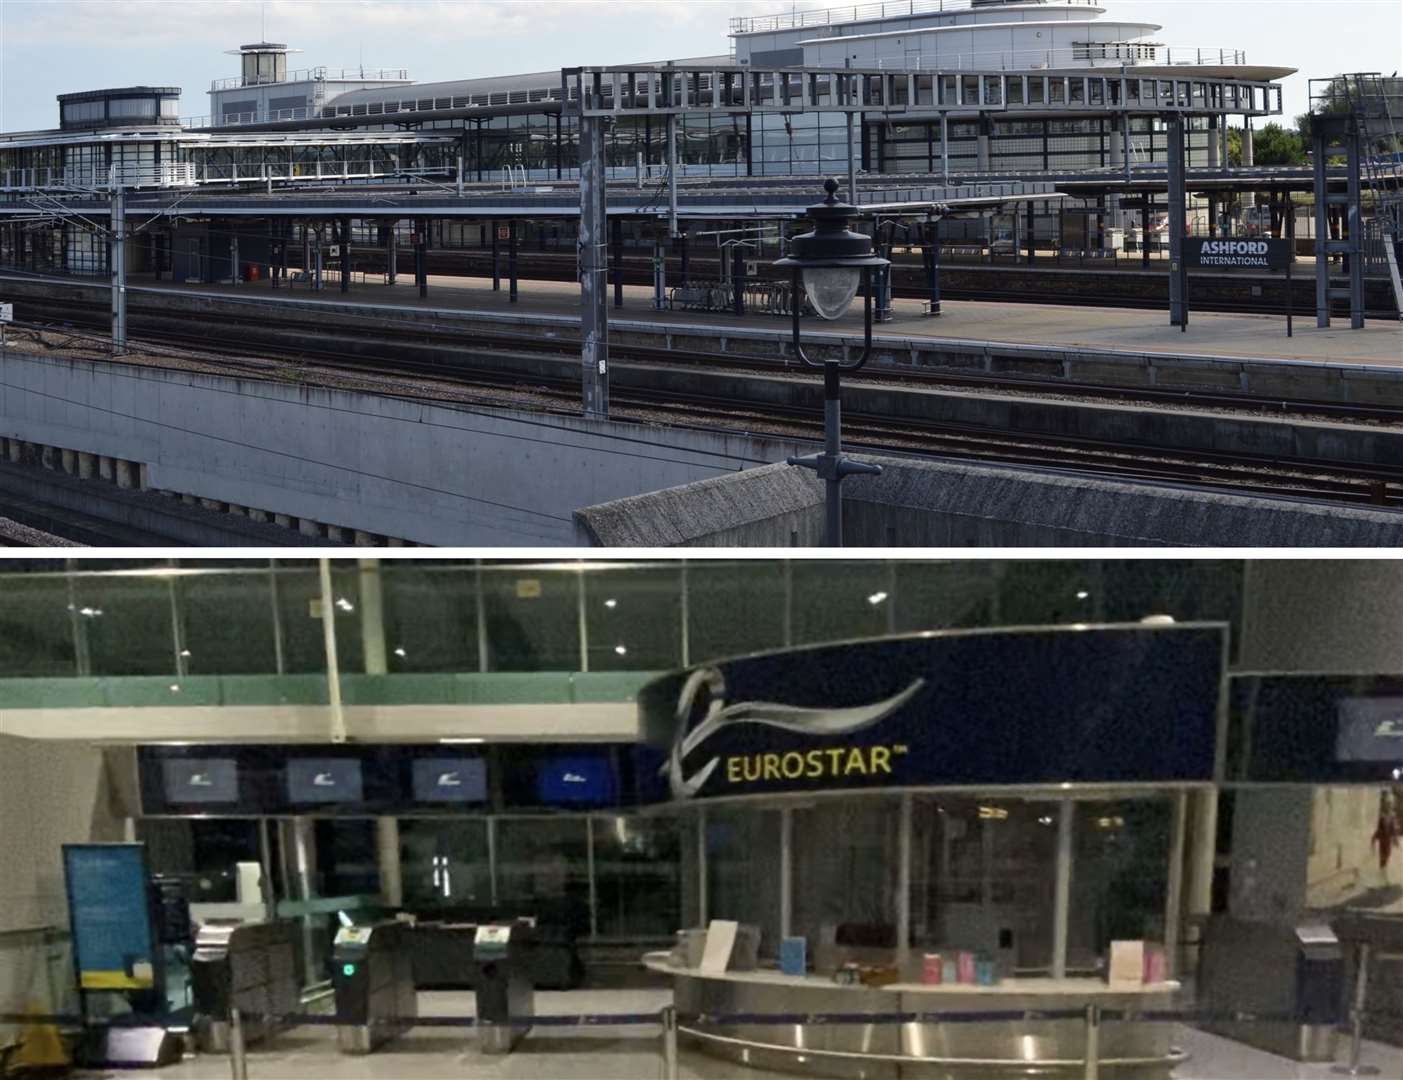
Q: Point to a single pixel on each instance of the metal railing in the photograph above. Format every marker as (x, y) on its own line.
(166, 174)
(316, 74)
(1093, 54)
(797, 20)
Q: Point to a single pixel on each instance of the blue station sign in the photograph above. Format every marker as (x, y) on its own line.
(1117, 704)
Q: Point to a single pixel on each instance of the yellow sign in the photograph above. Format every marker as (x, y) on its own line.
(528, 588)
(812, 764)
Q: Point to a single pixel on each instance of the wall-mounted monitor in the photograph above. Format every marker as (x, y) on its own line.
(323, 780)
(450, 780)
(1371, 729)
(575, 780)
(201, 780)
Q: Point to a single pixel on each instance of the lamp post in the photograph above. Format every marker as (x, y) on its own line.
(832, 261)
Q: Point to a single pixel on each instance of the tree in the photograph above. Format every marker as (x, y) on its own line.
(1274, 145)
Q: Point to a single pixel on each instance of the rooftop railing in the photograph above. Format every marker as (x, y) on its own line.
(797, 20)
(316, 74)
(1080, 55)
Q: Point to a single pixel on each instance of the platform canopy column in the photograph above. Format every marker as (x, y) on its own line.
(594, 315)
(345, 255)
(1178, 279)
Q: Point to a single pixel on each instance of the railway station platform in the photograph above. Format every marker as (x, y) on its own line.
(1209, 334)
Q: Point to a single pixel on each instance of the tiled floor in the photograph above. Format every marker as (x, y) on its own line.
(626, 1053)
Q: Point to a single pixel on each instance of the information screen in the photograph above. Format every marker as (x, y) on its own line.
(450, 780)
(576, 780)
(323, 780)
(1371, 729)
(201, 780)
(110, 915)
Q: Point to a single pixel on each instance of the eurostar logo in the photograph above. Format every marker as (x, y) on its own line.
(449, 779)
(323, 779)
(702, 713)
(1390, 729)
(200, 779)
(573, 778)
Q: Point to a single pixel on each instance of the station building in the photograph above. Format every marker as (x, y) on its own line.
(1029, 764)
(1063, 66)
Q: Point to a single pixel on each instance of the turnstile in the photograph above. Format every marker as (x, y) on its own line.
(506, 997)
(1277, 971)
(372, 975)
(251, 966)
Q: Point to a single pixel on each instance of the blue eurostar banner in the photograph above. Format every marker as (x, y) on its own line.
(1107, 704)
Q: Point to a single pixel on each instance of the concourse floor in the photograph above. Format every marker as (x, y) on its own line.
(625, 1053)
(1217, 334)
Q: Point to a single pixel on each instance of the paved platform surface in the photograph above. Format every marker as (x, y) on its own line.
(625, 1053)
(1210, 334)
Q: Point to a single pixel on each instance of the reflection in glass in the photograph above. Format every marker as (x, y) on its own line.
(982, 878)
(443, 862)
(835, 601)
(36, 627)
(543, 865)
(633, 619)
(227, 625)
(738, 843)
(734, 609)
(638, 876)
(123, 624)
(430, 617)
(533, 619)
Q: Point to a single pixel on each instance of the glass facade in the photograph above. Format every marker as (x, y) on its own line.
(446, 616)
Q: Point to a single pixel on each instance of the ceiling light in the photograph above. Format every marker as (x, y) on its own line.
(464, 741)
(1082, 594)
(344, 604)
(400, 652)
(876, 598)
(175, 688)
(184, 652)
(620, 649)
(611, 603)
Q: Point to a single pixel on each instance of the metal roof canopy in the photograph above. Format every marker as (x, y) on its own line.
(652, 89)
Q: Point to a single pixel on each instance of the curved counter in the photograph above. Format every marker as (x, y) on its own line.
(1128, 1049)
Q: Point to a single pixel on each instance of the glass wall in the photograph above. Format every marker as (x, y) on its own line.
(263, 617)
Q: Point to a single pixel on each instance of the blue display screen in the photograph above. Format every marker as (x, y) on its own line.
(201, 780)
(110, 915)
(450, 780)
(575, 781)
(323, 780)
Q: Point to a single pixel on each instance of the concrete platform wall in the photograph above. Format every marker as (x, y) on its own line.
(434, 474)
(947, 504)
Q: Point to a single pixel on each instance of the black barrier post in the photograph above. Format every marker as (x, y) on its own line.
(511, 260)
(238, 1056)
(1092, 1050)
(668, 1019)
(617, 240)
(496, 263)
(1289, 329)
(738, 279)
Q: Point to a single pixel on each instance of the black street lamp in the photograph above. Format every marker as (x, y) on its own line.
(832, 261)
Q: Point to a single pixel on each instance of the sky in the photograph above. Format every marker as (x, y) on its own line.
(50, 47)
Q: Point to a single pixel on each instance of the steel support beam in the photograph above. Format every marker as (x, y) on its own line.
(511, 261)
(1178, 211)
(594, 303)
(345, 255)
(117, 255)
(1354, 223)
(1319, 156)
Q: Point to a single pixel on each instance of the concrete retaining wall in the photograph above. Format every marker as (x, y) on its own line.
(943, 504)
(433, 474)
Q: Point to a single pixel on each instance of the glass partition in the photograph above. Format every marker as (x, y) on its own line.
(114, 618)
(543, 864)
(444, 862)
(638, 875)
(739, 842)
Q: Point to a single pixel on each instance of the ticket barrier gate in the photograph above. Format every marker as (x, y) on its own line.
(1276, 971)
(248, 966)
(506, 996)
(372, 976)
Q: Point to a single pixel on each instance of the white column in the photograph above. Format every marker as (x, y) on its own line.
(702, 913)
(387, 861)
(786, 871)
(372, 617)
(333, 668)
(903, 886)
(1174, 893)
(1062, 888)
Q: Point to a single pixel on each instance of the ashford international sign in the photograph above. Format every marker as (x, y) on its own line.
(1115, 704)
(1230, 254)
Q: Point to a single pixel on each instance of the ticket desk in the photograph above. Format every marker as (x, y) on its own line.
(1128, 1049)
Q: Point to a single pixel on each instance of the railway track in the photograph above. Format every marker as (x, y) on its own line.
(1373, 485)
(447, 334)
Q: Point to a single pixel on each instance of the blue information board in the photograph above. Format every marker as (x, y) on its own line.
(110, 914)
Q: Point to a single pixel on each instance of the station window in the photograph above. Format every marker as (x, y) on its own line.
(430, 617)
(444, 862)
(227, 622)
(833, 600)
(738, 841)
(36, 627)
(533, 618)
(735, 608)
(124, 624)
(633, 619)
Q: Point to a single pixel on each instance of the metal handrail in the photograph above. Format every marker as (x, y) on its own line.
(1171, 1059)
(797, 20)
(1077, 54)
(316, 74)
